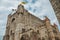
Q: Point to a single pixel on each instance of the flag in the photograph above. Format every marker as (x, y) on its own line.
(23, 2)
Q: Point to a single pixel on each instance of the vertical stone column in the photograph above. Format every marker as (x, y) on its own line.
(17, 36)
(49, 28)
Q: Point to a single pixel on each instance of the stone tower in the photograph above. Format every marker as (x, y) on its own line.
(56, 6)
(22, 25)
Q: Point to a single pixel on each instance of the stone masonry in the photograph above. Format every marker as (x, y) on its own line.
(23, 25)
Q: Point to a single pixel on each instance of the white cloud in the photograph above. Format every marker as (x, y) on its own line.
(41, 7)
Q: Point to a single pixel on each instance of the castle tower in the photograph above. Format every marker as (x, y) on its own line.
(49, 28)
(23, 25)
(56, 6)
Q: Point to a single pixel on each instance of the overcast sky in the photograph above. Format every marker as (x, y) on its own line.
(39, 8)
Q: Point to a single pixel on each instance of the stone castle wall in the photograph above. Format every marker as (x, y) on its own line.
(22, 25)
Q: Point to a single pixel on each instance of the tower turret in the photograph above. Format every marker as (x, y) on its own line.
(49, 28)
(47, 21)
(20, 8)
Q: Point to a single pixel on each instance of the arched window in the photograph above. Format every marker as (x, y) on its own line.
(13, 19)
(25, 37)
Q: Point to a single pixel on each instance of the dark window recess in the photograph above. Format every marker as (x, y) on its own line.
(11, 32)
(7, 37)
(56, 38)
(22, 6)
(6, 27)
(23, 30)
(30, 28)
(25, 37)
(37, 31)
(43, 38)
(39, 38)
(59, 1)
(55, 31)
(13, 36)
(20, 13)
(13, 19)
(22, 38)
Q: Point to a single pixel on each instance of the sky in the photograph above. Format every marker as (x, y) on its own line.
(39, 8)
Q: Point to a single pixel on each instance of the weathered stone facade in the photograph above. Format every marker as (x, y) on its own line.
(56, 6)
(22, 25)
